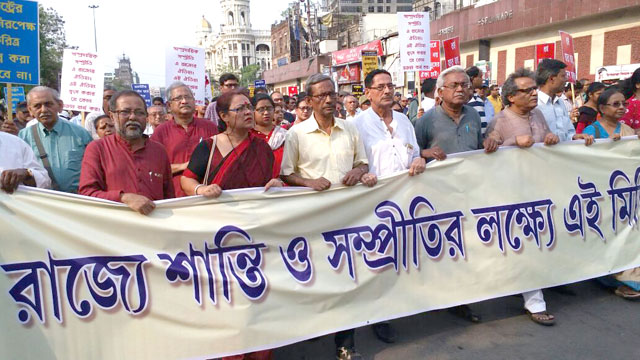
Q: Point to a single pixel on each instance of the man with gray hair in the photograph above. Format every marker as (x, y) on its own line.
(322, 151)
(57, 143)
(157, 114)
(183, 133)
(550, 78)
(452, 126)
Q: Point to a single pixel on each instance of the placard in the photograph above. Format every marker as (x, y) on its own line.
(19, 43)
(568, 56)
(186, 64)
(452, 52)
(414, 36)
(17, 96)
(82, 81)
(434, 72)
(143, 90)
(369, 62)
(544, 51)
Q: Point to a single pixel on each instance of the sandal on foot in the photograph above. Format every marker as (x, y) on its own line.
(542, 318)
(627, 293)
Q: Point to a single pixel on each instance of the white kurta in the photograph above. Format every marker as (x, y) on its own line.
(17, 154)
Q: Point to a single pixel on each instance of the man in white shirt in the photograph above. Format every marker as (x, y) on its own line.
(550, 78)
(18, 165)
(352, 106)
(388, 136)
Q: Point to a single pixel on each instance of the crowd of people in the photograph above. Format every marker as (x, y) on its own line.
(134, 154)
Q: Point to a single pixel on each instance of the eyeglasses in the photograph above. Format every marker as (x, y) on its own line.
(454, 86)
(242, 108)
(528, 90)
(323, 96)
(617, 104)
(264, 108)
(383, 86)
(305, 108)
(127, 113)
(182, 97)
(156, 114)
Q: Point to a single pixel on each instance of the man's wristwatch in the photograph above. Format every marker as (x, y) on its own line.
(29, 174)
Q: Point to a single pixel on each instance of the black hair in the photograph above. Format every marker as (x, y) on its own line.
(97, 120)
(226, 77)
(473, 72)
(301, 97)
(259, 97)
(428, 85)
(603, 99)
(368, 81)
(158, 98)
(119, 94)
(548, 68)
(593, 87)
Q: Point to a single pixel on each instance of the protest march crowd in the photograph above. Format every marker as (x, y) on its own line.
(134, 154)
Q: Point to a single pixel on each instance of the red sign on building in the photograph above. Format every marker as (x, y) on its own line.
(354, 54)
(293, 90)
(568, 56)
(544, 51)
(434, 72)
(452, 52)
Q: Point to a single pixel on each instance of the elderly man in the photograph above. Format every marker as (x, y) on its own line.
(521, 124)
(58, 143)
(19, 166)
(390, 143)
(323, 151)
(228, 82)
(181, 135)
(278, 98)
(89, 121)
(127, 167)
(352, 106)
(157, 115)
(452, 126)
(550, 78)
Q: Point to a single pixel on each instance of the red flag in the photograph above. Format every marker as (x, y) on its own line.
(568, 57)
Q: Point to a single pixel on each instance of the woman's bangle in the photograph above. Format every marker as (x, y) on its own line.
(195, 191)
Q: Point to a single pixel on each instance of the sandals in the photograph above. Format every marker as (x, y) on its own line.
(542, 318)
(627, 293)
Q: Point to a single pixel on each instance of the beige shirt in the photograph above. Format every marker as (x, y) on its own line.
(507, 125)
(312, 153)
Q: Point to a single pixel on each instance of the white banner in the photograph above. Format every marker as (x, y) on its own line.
(82, 81)
(414, 36)
(186, 64)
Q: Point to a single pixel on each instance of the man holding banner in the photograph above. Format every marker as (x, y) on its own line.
(127, 167)
(18, 165)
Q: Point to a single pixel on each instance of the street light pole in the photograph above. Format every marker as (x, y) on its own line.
(95, 37)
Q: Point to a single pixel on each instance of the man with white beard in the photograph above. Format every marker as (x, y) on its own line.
(127, 167)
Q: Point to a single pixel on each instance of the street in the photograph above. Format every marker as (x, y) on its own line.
(593, 325)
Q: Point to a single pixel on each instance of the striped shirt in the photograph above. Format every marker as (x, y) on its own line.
(477, 103)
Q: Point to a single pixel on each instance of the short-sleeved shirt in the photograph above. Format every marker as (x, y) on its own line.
(312, 153)
(65, 144)
(437, 128)
(507, 125)
(180, 142)
(387, 152)
(632, 116)
(556, 115)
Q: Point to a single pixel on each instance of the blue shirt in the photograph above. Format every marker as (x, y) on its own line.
(591, 130)
(488, 111)
(557, 116)
(65, 145)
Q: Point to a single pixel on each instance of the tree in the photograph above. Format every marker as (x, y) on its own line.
(248, 74)
(52, 45)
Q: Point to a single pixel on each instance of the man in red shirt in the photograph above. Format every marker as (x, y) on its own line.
(181, 135)
(127, 166)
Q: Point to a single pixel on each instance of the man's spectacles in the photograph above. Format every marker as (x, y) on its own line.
(305, 108)
(156, 114)
(331, 94)
(617, 104)
(383, 86)
(182, 97)
(127, 113)
(454, 86)
(242, 108)
(264, 108)
(528, 90)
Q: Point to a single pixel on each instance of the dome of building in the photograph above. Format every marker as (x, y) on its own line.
(205, 25)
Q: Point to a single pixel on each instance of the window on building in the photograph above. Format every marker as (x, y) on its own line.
(404, 8)
(372, 9)
(380, 9)
(388, 9)
(380, 1)
(235, 46)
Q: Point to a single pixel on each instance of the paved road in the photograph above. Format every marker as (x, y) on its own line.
(593, 325)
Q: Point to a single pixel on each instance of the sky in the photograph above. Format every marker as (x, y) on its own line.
(142, 30)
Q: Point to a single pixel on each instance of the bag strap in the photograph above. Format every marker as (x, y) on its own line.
(44, 158)
(597, 128)
(205, 179)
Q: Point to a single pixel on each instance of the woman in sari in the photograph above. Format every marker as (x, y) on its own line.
(264, 129)
(611, 106)
(233, 159)
(589, 111)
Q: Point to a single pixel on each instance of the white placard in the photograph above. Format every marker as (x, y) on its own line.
(82, 81)
(413, 32)
(186, 64)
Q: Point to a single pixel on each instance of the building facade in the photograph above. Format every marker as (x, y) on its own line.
(236, 45)
(505, 33)
(370, 6)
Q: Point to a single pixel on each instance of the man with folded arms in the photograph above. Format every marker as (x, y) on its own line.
(127, 167)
